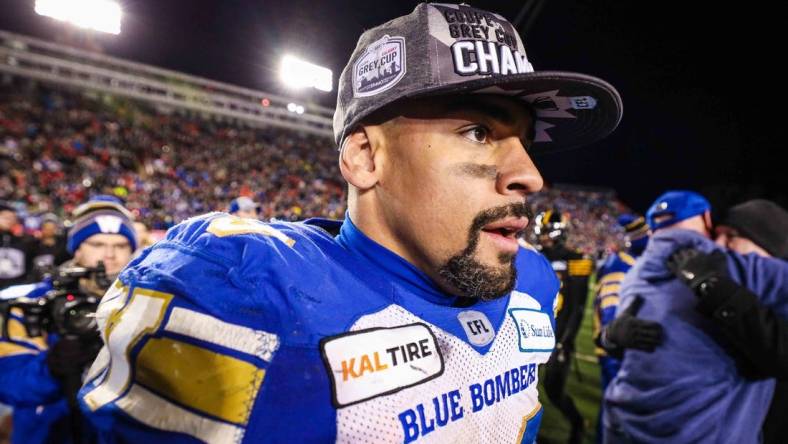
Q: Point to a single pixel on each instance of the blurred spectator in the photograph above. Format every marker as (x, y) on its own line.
(626, 331)
(16, 250)
(144, 239)
(51, 249)
(244, 207)
(756, 226)
(40, 375)
(679, 392)
(755, 336)
(574, 271)
(592, 218)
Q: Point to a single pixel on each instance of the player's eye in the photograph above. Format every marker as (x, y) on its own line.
(477, 133)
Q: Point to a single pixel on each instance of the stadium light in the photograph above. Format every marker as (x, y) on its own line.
(295, 108)
(298, 73)
(99, 15)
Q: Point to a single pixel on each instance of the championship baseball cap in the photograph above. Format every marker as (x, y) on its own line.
(763, 222)
(102, 214)
(243, 203)
(675, 206)
(447, 49)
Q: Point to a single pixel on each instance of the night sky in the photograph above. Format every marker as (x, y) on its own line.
(701, 87)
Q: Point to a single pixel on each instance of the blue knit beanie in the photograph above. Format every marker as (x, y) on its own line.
(101, 215)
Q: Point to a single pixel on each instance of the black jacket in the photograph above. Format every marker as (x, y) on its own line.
(16, 259)
(573, 270)
(756, 339)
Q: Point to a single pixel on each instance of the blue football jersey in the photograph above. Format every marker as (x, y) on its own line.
(234, 330)
(609, 278)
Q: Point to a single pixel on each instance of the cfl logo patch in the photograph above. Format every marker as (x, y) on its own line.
(477, 327)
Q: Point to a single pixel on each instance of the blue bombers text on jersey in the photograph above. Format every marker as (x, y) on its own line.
(234, 330)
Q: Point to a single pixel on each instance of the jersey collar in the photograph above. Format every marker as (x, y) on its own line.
(400, 272)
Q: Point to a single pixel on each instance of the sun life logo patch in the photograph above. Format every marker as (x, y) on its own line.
(379, 67)
(534, 328)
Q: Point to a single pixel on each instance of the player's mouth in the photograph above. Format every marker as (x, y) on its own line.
(504, 233)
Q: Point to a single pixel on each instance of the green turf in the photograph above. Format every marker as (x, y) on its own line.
(584, 389)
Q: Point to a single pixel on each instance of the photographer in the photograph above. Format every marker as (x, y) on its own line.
(40, 370)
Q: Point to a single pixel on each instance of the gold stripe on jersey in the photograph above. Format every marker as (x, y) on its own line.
(609, 290)
(558, 304)
(581, 267)
(233, 226)
(206, 381)
(18, 332)
(137, 320)
(8, 349)
(608, 301)
(626, 258)
(171, 384)
(527, 418)
(612, 278)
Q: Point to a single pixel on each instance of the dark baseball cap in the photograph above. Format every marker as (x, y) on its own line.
(448, 49)
(763, 222)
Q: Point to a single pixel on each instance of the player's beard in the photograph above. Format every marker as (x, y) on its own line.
(477, 281)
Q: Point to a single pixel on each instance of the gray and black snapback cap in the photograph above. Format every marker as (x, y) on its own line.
(447, 49)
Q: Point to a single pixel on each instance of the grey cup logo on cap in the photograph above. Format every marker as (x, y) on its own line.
(380, 67)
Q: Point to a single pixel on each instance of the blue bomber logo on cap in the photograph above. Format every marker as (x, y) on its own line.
(675, 206)
(101, 215)
(447, 49)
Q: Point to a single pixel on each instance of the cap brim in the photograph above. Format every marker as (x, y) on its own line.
(572, 109)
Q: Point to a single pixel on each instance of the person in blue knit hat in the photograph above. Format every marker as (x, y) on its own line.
(33, 370)
(102, 230)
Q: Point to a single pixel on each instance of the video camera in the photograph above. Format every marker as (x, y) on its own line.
(65, 310)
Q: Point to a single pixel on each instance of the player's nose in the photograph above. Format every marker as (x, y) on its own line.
(518, 172)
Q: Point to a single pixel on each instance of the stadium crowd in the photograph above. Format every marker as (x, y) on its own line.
(58, 148)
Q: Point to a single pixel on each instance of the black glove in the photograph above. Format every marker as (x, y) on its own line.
(71, 356)
(627, 331)
(693, 267)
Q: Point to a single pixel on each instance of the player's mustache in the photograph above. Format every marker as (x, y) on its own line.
(490, 215)
(494, 214)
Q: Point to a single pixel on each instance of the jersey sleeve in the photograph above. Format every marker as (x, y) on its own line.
(767, 278)
(537, 278)
(606, 303)
(190, 329)
(25, 380)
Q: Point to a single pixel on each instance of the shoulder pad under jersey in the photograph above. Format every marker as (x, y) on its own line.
(536, 277)
(224, 263)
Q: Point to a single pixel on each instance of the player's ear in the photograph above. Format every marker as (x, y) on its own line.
(357, 159)
(708, 224)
